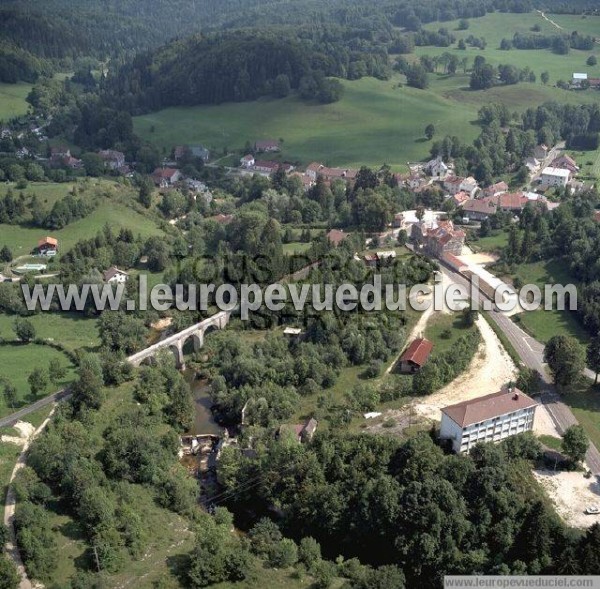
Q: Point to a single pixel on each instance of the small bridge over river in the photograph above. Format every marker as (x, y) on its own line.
(177, 341)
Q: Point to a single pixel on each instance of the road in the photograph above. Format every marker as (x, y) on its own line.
(18, 415)
(531, 353)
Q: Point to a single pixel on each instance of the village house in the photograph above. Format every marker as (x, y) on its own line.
(554, 177)
(112, 159)
(532, 164)
(491, 418)
(336, 236)
(195, 151)
(436, 168)
(452, 184)
(302, 433)
(478, 210)
(460, 198)
(540, 152)
(578, 80)
(495, 189)
(268, 145)
(439, 240)
(415, 181)
(470, 186)
(47, 246)
(165, 177)
(315, 170)
(565, 162)
(513, 202)
(247, 161)
(59, 152)
(415, 356)
(269, 167)
(115, 276)
(370, 260)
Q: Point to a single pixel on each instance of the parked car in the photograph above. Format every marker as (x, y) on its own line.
(592, 509)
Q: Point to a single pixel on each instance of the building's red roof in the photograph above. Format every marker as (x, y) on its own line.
(51, 241)
(165, 173)
(487, 407)
(418, 352)
(336, 236)
(510, 200)
(453, 261)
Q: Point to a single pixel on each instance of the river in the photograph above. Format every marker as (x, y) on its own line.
(204, 422)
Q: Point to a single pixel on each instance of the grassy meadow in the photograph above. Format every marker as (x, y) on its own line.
(18, 361)
(12, 100)
(383, 121)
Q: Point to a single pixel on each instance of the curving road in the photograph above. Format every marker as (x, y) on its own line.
(531, 353)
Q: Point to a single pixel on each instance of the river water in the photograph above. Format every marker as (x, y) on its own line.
(204, 422)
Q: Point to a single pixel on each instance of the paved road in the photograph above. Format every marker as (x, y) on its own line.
(21, 413)
(531, 353)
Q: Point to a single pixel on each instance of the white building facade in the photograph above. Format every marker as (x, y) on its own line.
(491, 418)
(552, 177)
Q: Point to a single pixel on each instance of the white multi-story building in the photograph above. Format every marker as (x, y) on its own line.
(555, 177)
(491, 418)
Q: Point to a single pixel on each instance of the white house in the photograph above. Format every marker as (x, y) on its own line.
(491, 418)
(247, 161)
(469, 185)
(555, 177)
(437, 168)
(578, 79)
(115, 276)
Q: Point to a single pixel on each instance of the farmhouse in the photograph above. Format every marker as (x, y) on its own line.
(532, 164)
(165, 177)
(268, 145)
(513, 202)
(460, 198)
(554, 177)
(47, 246)
(452, 184)
(115, 276)
(578, 80)
(247, 161)
(495, 189)
(415, 356)
(478, 210)
(113, 159)
(268, 167)
(315, 170)
(439, 240)
(565, 162)
(491, 418)
(301, 432)
(336, 236)
(540, 152)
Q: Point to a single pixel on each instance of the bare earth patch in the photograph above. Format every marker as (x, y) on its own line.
(25, 429)
(571, 493)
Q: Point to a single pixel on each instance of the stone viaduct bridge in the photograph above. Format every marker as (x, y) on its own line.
(177, 341)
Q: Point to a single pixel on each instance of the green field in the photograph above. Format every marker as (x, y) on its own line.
(71, 330)
(17, 361)
(444, 322)
(12, 100)
(493, 243)
(495, 27)
(376, 122)
(545, 324)
(383, 121)
(585, 404)
(22, 240)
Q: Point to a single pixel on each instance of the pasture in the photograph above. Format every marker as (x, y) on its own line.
(22, 239)
(12, 100)
(377, 121)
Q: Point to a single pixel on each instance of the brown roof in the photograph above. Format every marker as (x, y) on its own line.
(336, 236)
(267, 144)
(164, 172)
(479, 206)
(496, 188)
(112, 272)
(417, 352)
(48, 241)
(488, 407)
(453, 261)
(461, 197)
(512, 201)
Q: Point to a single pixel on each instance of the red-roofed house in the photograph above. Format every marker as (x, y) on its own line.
(247, 161)
(47, 244)
(415, 356)
(439, 240)
(336, 236)
(460, 198)
(565, 162)
(165, 177)
(495, 189)
(478, 210)
(513, 202)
